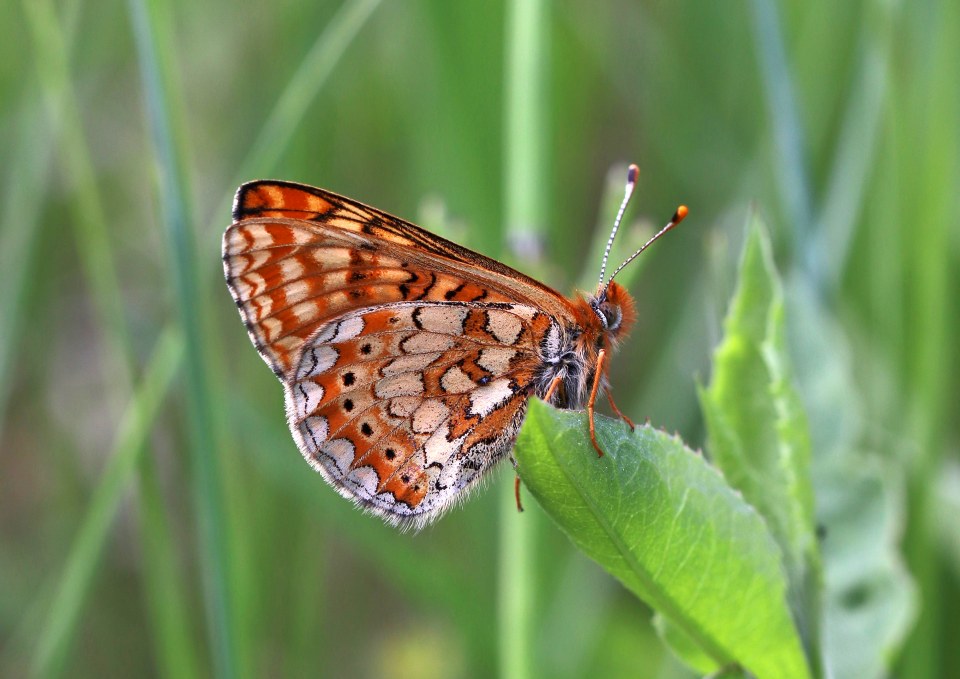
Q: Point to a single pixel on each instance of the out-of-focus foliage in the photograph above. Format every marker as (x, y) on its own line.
(124, 130)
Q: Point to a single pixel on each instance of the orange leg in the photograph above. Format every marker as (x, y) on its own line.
(554, 383)
(593, 399)
(617, 410)
(516, 492)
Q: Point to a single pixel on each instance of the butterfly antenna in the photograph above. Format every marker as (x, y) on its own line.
(632, 173)
(678, 217)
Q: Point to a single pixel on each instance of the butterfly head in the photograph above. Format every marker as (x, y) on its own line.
(615, 310)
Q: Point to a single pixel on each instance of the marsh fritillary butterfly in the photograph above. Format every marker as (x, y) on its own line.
(406, 360)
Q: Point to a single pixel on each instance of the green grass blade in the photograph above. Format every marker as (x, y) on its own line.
(869, 599)
(92, 236)
(19, 237)
(20, 228)
(152, 31)
(177, 655)
(525, 172)
(789, 164)
(292, 104)
(75, 584)
(854, 161)
(929, 228)
(525, 203)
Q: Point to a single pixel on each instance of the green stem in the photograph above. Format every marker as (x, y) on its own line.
(152, 31)
(525, 195)
(76, 583)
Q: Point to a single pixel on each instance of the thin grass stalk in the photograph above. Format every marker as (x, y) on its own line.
(855, 158)
(794, 185)
(928, 227)
(92, 237)
(20, 235)
(20, 226)
(155, 50)
(291, 106)
(74, 587)
(525, 173)
(790, 168)
(170, 617)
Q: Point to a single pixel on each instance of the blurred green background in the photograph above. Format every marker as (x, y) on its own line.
(155, 515)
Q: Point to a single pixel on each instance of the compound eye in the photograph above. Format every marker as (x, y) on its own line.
(614, 316)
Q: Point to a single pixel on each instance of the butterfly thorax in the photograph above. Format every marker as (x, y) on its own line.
(570, 349)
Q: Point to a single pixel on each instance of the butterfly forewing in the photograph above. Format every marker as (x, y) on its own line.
(285, 236)
(288, 200)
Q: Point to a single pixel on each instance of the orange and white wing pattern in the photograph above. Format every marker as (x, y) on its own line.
(407, 361)
(403, 407)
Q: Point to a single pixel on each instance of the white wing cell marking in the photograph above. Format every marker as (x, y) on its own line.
(317, 360)
(365, 479)
(341, 452)
(349, 328)
(484, 400)
(455, 381)
(307, 395)
(496, 359)
(410, 363)
(406, 384)
(403, 406)
(426, 341)
(314, 431)
(446, 320)
(503, 325)
(429, 416)
(438, 449)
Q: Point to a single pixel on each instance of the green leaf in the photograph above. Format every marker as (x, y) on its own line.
(658, 517)
(684, 647)
(869, 600)
(757, 430)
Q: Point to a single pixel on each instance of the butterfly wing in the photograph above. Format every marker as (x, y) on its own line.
(297, 257)
(404, 406)
(407, 360)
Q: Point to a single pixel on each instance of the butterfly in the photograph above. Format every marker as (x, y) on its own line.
(407, 361)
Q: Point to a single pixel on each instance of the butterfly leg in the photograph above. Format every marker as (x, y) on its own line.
(516, 485)
(597, 376)
(554, 383)
(618, 411)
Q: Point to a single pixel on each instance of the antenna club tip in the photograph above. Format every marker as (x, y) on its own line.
(633, 173)
(680, 214)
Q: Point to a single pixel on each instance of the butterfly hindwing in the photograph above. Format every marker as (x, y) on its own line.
(404, 406)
